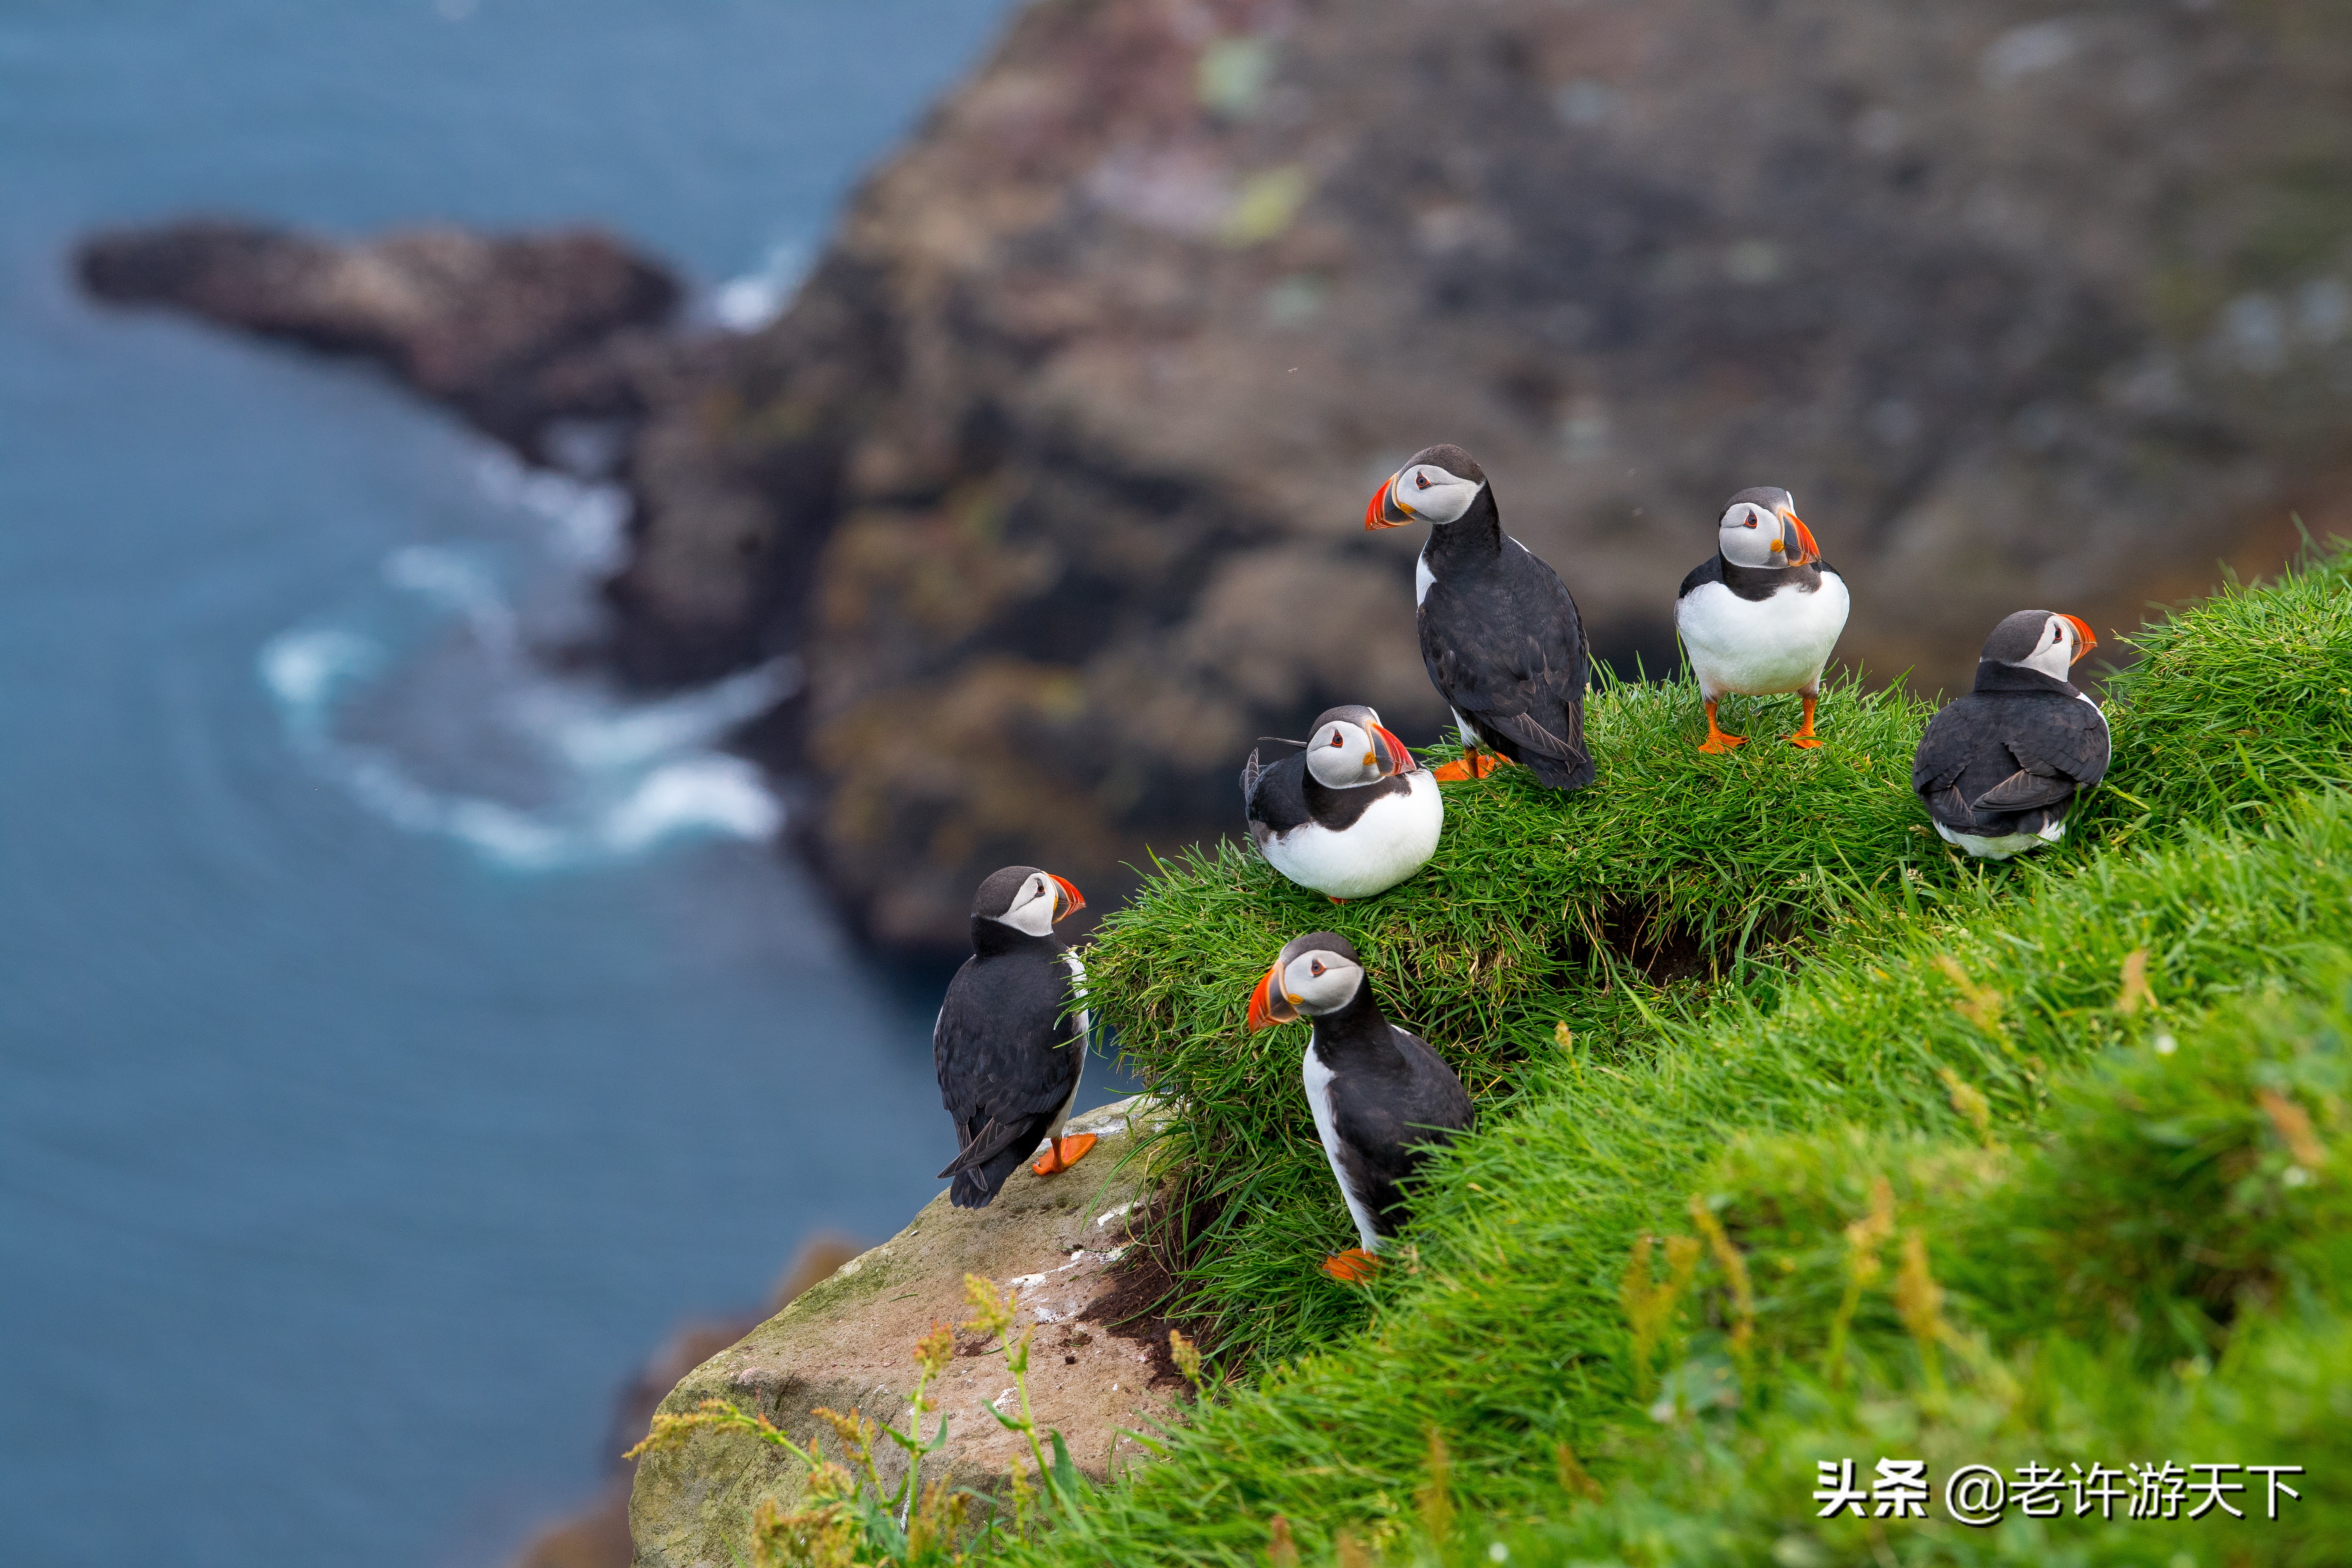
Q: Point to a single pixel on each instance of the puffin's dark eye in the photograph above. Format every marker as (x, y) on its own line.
(1750, 523)
(1318, 967)
(1421, 481)
(1335, 737)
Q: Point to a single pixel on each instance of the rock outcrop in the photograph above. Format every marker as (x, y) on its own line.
(1052, 472)
(1100, 1366)
(515, 332)
(597, 1536)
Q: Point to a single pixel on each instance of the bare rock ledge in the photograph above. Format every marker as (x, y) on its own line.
(1097, 1372)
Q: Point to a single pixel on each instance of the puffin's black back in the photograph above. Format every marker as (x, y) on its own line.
(1007, 1058)
(1393, 1100)
(2010, 756)
(1504, 645)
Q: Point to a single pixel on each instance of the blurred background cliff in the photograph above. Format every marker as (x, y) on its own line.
(943, 487)
(1046, 475)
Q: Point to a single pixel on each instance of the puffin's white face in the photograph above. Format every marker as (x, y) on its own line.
(1345, 755)
(1318, 983)
(1754, 535)
(2060, 646)
(1035, 907)
(1430, 494)
(1421, 492)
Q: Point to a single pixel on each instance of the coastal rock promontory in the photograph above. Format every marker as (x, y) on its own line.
(1100, 1366)
(514, 331)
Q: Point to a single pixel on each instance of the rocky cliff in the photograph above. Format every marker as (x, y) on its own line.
(1071, 430)
(1052, 473)
(1100, 1366)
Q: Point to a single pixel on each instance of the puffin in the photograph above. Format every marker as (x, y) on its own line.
(1500, 631)
(1008, 1050)
(1351, 816)
(1998, 769)
(1381, 1099)
(1761, 617)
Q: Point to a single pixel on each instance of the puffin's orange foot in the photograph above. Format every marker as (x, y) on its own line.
(1064, 1152)
(1452, 773)
(1719, 744)
(1808, 742)
(1352, 1266)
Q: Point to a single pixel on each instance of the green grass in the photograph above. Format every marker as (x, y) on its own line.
(1779, 989)
(1676, 878)
(2238, 704)
(1512, 1337)
(1672, 872)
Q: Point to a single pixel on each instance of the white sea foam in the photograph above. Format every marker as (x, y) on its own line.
(469, 737)
(594, 734)
(746, 304)
(587, 519)
(455, 581)
(714, 793)
(302, 668)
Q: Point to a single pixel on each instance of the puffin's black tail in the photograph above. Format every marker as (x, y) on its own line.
(989, 1157)
(1555, 752)
(976, 1186)
(971, 1191)
(1563, 773)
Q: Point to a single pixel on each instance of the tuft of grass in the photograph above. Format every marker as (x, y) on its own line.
(2238, 704)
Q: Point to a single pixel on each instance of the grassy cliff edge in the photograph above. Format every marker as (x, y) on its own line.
(1801, 1138)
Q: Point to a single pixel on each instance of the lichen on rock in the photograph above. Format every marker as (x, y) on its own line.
(1100, 1367)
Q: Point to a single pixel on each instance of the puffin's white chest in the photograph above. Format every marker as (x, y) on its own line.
(1082, 1044)
(1317, 1078)
(1755, 648)
(2001, 847)
(1394, 838)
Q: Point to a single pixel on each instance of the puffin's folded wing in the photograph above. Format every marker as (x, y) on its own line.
(1524, 728)
(1275, 795)
(2024, 790)
(993, 1140)
(1948, 806)
(993, 1071)
(1943, 753)
(2068, 739)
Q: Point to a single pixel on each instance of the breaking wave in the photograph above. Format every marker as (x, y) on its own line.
(749, 302)
(427, 704)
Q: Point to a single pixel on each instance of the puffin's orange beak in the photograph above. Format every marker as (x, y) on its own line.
(2082, 630)
(1268, 1006)
(1399, 758)
(1801, 547)
(1073, 900)
(1383, 502)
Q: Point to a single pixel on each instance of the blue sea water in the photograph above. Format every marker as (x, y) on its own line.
(397, 1038)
